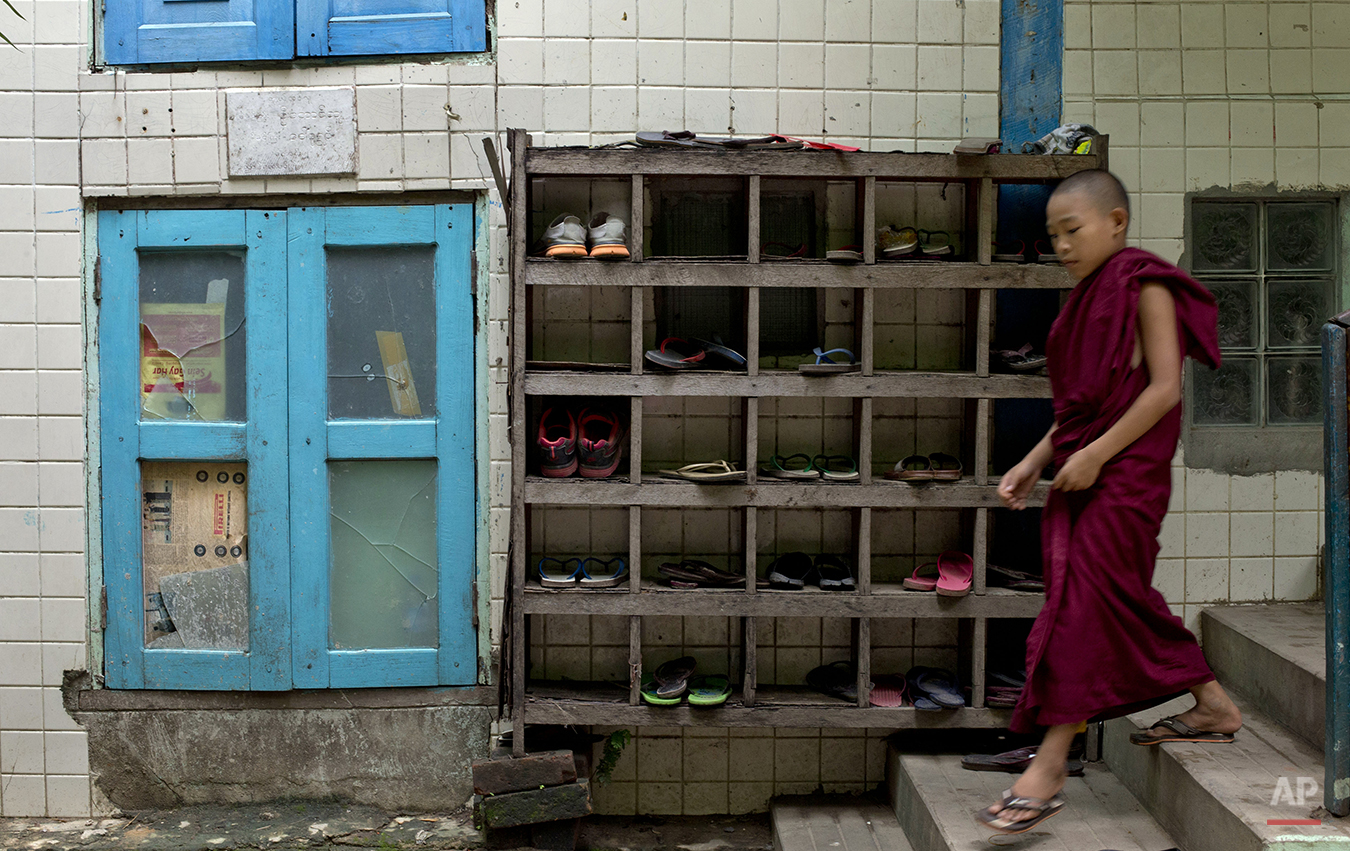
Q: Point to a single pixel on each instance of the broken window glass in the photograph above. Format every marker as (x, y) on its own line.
(382, 333)
(384, 578)
(192, 335)
(194, 554)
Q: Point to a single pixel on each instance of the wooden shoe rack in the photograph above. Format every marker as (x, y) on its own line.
(752, 705)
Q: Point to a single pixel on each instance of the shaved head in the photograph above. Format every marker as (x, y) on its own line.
(1101, 187)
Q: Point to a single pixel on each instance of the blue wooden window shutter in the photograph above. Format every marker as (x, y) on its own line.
(149, 31)
(372, 27)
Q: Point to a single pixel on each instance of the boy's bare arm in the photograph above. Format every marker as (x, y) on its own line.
(1162, 356)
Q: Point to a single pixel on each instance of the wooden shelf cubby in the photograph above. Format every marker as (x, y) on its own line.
(637, 488)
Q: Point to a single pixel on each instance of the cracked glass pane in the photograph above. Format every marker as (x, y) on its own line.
(382, 332)
(383, 580)
(192, 335)
(194, 554)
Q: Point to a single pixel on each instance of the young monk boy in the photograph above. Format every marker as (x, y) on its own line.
(1105, 643)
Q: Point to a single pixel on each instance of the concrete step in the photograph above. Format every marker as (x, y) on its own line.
(834, 823)
(935, 800)
(1275, 656)
(1224, 797)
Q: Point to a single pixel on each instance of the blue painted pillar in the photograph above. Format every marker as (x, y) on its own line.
(1031, 103)
(1336, 566)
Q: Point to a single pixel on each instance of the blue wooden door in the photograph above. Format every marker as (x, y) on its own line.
(381, 446)
(145, 31)
(192, 424)
(372, 27)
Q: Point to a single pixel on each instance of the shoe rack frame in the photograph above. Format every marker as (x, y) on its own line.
(751, 705)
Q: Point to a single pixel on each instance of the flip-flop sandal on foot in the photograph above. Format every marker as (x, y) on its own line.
(1179, 731)
(1043, 810)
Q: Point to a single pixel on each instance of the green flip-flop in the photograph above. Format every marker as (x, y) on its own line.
(649, 687)
(711, 690)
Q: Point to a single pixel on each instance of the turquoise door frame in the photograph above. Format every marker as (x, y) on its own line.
(288, 487)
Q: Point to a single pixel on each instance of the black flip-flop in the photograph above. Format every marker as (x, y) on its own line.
(672, 678)
(1013, 762)
(837, 679)
(1180, 731)
(789, 571)
(833, 574)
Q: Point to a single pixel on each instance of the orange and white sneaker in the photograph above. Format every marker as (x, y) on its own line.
(565, 238)
(608, 237)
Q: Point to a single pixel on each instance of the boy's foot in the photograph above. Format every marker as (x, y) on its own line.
(1214, 718)
(1041, 785)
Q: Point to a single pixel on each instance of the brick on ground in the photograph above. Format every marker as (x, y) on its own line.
(499, 776)
(536, 806)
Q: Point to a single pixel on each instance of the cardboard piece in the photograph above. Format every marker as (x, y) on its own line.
(194, 516)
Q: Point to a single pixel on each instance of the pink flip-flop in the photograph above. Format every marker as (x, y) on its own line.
(954, 574)
(887, 690)
(927, 582)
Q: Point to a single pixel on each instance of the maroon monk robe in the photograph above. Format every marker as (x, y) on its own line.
(1105, 642)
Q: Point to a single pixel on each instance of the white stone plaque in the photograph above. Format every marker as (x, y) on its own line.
(285, 132)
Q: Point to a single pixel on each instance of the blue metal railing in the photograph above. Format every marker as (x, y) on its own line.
(1336, 564)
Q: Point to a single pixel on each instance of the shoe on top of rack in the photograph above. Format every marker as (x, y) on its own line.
(897, 243)
(557, 443)
(601, 442)
(565, 237)
(607, 237)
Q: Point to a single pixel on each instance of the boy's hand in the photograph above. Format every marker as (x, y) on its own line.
(1016, 485)
(1080, 472)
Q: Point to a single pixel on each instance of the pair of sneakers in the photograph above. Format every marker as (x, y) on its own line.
(589, 441)
(605, 238)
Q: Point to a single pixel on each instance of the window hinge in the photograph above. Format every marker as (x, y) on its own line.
(98, 279)
(102, 608)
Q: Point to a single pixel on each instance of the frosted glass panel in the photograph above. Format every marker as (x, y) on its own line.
(382, 333)
(192, 336)
(194, 554)
(383, 566)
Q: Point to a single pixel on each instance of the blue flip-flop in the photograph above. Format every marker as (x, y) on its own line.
(558, 572)
(599, 573)
(825, 365)
(940, 685)
(715, 346)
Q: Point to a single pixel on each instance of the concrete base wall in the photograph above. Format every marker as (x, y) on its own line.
(404, 759)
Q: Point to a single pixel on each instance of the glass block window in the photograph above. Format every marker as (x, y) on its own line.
(1272, 265)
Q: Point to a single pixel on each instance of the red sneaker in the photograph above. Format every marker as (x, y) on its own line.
(602, 437)
(557, 443)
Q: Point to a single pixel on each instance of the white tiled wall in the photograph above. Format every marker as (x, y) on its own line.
(1205, 94)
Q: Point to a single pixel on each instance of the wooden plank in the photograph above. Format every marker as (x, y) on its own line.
(750, 434)
(903, 274)
(984, 314)
(636, 349)
(869, 219)
(635, 549)
(752, 331)
(635, 440)
(980, 549)
(773, 707)
(985, 223)
(947, 168)
(754, 242)
(1336, 448)
(980, 475)
(750, 681)
(862, 438)
(863, 653)
(635, 660)
(767, 493)
(863, 544)
(890, 384)
(637, 218)
(519, 551)
(750, 541)
(864, 324)
(882, 603)
(979, 660)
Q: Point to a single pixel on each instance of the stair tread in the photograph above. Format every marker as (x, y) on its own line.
(813, 823)
(1295, 632)
(1244, 776)
(1101, 813)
